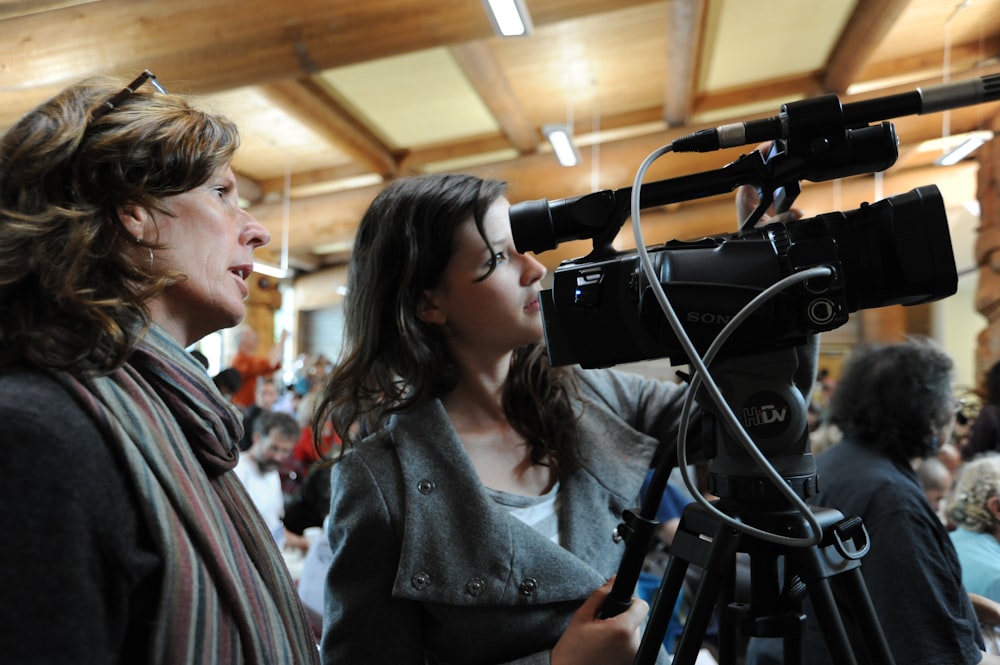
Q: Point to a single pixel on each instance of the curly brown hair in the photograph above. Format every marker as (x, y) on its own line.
(73, 281)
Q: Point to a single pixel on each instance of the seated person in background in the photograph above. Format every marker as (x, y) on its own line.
(200, 357)
(266, 396)
(274, 436)
(228, 381)
(974, 508)
(935, 479)
(311, 503)
(894, 405)
(964, 422)
(985, 433)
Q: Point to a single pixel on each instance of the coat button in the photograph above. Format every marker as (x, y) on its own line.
(420, 581)
(528, 586)
(425, 486)
(475, 586)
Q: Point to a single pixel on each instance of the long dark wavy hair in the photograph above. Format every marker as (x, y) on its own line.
(392, 360)
(73, 280)
(895, 398)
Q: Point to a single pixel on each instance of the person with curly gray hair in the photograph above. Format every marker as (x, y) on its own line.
(974, 507)
(895, 406)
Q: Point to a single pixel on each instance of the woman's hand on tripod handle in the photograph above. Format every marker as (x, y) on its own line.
(589, 639)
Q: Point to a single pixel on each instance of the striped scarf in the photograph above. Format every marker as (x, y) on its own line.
(226, 595)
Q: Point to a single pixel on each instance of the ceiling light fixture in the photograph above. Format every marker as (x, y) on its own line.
(509, 17)
(963, 149)
(561, 140)
(271, 271)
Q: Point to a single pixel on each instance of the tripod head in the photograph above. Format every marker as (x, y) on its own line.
(761, 391)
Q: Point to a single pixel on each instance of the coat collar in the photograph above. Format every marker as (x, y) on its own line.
(448, 515)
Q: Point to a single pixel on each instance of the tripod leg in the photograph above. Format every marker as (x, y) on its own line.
(818, 567)
(761, 612)
(718, 568)
(664, 601)
(727, 626)
(828, 616)
(870, 628)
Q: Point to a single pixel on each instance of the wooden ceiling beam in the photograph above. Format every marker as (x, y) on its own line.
(869, 24)
(260, 41)
(484, 73)
(331, 219)
(308, 180)
(417, 159)
(316, 107)
(685, 31)
(911, 130)
(14, 8)
(778, 89)
(965, 59)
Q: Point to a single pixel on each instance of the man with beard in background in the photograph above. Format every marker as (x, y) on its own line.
(274, 436)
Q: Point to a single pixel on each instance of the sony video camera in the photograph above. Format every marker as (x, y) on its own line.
(600, 310)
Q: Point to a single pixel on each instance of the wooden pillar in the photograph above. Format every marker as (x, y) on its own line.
(883, 324)
(262, 304)
(988, 256)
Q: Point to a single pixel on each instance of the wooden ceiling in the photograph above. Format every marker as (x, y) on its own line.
(336, 97)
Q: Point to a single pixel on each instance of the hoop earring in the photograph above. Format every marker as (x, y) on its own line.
(138, 241)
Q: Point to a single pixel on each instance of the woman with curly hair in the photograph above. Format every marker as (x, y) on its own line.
(128, 538)
(894, 405)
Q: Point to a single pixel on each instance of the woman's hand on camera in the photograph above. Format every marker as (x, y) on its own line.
(589, 639)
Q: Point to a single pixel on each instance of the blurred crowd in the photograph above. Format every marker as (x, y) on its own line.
(279, 461)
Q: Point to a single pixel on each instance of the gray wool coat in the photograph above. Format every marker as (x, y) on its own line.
(428, 569)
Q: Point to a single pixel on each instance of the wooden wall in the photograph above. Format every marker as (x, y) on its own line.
(988, 257)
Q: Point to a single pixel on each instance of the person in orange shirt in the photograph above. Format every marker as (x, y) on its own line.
(251, 367)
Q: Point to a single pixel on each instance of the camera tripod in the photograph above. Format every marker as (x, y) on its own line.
(774, 609)
(795, 550)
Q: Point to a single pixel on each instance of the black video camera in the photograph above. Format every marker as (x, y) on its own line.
(600, 311)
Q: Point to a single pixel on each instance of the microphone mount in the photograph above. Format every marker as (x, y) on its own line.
(822, 118)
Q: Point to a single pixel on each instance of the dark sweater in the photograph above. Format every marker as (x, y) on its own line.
(911, 572)
(79, 578)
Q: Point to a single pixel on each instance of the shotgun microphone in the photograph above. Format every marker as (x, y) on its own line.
(827, 113)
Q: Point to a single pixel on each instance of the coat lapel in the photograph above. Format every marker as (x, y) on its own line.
(459, 546)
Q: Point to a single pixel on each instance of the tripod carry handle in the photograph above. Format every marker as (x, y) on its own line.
(853, 529)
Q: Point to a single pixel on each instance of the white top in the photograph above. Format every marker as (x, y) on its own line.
(539, 512)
